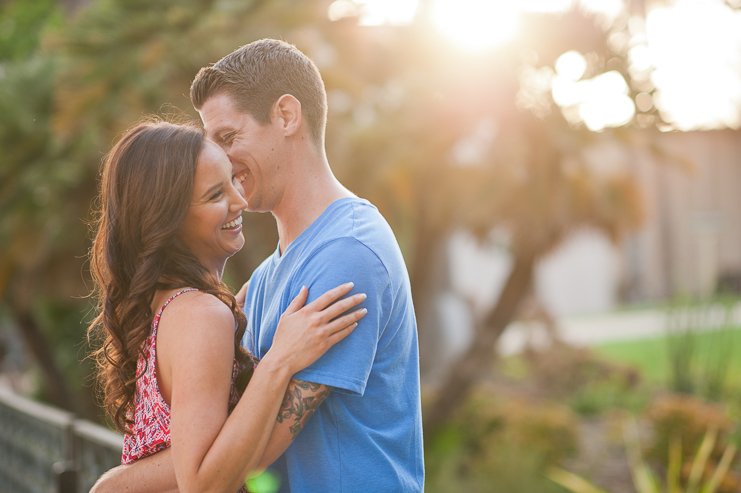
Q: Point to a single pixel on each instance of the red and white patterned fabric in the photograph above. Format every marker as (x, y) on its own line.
(151, 429)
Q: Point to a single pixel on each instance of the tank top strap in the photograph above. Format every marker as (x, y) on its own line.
(156, 321)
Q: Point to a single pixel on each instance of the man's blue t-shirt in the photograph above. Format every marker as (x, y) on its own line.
(367, 435)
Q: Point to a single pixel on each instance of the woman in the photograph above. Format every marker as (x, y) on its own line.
(170, 218)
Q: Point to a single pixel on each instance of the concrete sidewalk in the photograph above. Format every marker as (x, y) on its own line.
(590, 330)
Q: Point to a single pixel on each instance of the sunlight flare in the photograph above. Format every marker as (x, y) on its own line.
(600, 102)
(695, 48)
(571, 65)
(477, 24)
(375, 12)
(547, 6)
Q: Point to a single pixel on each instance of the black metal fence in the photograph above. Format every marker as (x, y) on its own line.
(46, 450)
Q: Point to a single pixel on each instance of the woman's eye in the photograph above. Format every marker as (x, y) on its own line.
(217, 195)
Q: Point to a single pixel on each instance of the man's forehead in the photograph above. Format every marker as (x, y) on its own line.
(218, 114)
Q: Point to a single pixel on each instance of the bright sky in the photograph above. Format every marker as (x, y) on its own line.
(690, 51)
(695, 47)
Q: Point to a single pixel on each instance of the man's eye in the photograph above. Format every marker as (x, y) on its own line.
(225, 139)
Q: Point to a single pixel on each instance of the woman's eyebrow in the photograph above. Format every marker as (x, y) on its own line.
(210, 190)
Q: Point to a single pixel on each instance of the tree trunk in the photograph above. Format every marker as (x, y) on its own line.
(477, 359)
(429, 278)
(56, 387)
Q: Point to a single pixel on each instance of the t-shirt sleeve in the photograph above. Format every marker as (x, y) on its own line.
(347, 365)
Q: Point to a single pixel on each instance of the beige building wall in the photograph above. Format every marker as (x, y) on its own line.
(691, 239)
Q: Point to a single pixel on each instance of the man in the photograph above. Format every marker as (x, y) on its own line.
(265, 104)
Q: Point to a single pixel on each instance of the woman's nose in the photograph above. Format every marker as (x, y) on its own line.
(238, 202)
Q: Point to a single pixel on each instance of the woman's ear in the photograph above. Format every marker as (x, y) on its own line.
(288, 112)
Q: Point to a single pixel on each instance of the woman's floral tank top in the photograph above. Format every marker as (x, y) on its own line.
(151, 429)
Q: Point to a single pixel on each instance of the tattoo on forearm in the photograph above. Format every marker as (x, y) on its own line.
(299, 408)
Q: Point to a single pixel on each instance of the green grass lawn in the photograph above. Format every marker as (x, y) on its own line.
(651, 356)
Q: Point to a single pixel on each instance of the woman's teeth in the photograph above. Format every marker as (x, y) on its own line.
(233, 224)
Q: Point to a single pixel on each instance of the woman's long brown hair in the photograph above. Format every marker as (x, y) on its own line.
(146, 189)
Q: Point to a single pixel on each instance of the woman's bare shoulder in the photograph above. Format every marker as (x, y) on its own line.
(191, 310)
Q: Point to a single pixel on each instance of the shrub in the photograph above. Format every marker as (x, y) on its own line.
(687, 418)
(700, 474)
(494, 447)
(589, 384)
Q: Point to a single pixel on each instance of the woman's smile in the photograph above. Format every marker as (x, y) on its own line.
(234, 224)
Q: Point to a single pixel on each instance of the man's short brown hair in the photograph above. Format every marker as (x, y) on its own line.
(256, 75)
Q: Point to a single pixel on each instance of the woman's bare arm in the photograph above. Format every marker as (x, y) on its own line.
(152, 474)
(210, 451)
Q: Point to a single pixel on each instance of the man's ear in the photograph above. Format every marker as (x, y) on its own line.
(287, 110)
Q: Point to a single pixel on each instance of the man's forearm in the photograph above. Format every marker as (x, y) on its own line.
(153, 474)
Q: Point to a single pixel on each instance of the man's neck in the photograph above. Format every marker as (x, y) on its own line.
(311, 190)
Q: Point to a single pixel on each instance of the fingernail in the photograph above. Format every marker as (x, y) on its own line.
(349, 284)
(362, 296)
(364, 310)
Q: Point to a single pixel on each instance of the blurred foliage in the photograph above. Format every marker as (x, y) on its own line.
(688, 418)
(42, 237)
(699, 474)
(563, 370)
(490, 446)
(690, 422)
(22, 23)
(265, 482)
(62, 106)
(599, 396)
(578, 377)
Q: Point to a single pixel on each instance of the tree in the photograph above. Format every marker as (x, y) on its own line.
(532, 179)
(63, 103)
(402, 101)
(30, 188)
